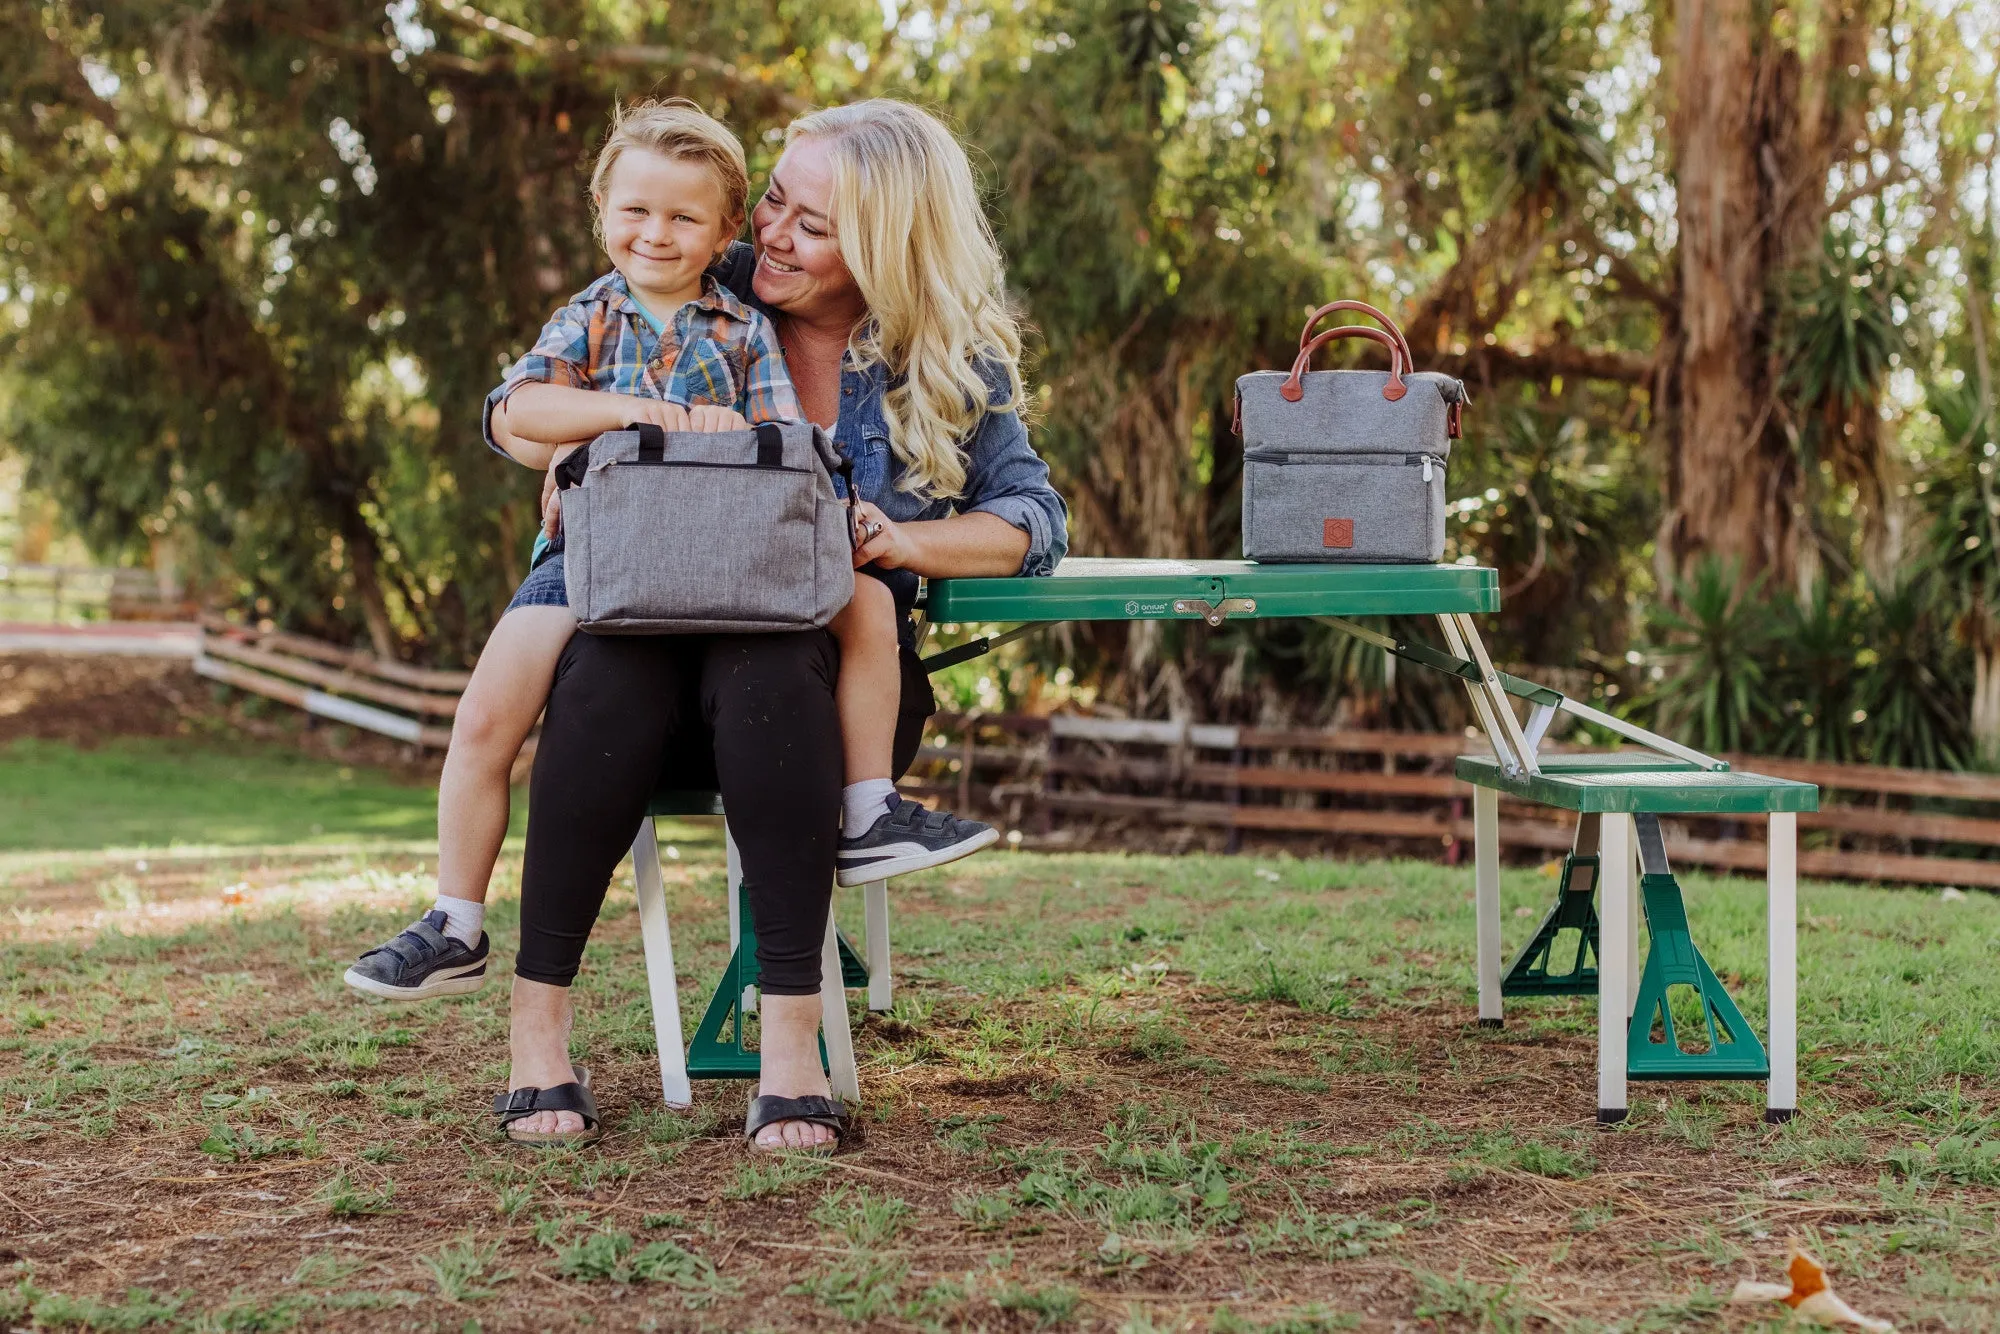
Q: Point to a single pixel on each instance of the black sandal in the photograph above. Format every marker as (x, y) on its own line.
(769, 1109)
(572, 1097)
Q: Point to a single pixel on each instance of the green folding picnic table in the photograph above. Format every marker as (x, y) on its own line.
(1618, 798)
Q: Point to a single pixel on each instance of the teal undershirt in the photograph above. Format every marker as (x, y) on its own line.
(659, 325)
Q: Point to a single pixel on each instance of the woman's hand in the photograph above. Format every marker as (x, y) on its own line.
(880, 539)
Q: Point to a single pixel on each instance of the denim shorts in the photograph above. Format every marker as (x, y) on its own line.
(544, 586)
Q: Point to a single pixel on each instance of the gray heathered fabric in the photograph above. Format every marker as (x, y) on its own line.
(1344, 411)
(707, 542)
(1393, 512)
(1343, 452)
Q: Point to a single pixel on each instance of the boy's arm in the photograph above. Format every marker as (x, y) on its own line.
(768, 395)
(536, 419)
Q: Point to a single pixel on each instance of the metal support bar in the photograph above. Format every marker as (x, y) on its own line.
(1469, 632)
(979, 648)
(1782, 968)
(1463, 667)
(1482, 707)
(1539, 718)
(1615, 908)
(1633, 732)
(1486, 900)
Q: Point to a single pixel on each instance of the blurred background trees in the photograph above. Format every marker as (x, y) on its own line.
(1720, 275)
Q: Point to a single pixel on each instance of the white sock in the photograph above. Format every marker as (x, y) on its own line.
(464, 919)
(863, 803)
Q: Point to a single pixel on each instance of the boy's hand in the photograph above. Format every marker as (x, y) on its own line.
(666, 416)
(711, 417)
(551, 507)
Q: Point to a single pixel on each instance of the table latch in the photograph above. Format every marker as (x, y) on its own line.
(1217, 612)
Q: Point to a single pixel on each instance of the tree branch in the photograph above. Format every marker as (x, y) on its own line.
(1628, 275)
(1551, 359)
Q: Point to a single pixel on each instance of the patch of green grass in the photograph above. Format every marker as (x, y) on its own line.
(144, 792)
(344, 1198)
(1304, 1231)
(1569, 1159)
(1455, 1301)
(466, 1271)
(140, 1309)
(614, 1257)
(1966, 1159)
(1309, 1320)
(1048, 1306)
(866, 1219)
(861, 1289)
(782, 1172)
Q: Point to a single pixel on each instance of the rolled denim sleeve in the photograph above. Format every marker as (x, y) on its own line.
(561, 355)
(1005, 477)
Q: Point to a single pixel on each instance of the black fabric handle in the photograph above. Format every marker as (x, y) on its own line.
(570, 471)
(652, 442)
(770, 445)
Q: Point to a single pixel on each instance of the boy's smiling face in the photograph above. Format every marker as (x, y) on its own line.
(664, 223)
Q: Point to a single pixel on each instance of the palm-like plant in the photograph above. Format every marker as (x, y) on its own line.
(1713, 636)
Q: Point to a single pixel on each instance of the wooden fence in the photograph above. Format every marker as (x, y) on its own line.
(61, 594)
(1105, 776)
(328, 681)
(1373, 789)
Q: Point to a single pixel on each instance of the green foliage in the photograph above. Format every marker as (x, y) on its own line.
(238, 330)
(1860, 672)
(1716, 635)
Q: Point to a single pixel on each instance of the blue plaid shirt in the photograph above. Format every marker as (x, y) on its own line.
(715, 349)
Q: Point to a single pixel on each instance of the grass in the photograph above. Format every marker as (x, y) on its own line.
(143, 792)
(1115, 1093)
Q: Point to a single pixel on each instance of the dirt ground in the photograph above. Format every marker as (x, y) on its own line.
(199, 1111)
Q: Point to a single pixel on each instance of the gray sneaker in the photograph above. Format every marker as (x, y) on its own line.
(421, 962)
(909, 838)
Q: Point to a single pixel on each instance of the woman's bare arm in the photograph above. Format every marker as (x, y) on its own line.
(963, 546)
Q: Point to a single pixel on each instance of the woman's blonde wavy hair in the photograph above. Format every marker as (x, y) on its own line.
(913, 234)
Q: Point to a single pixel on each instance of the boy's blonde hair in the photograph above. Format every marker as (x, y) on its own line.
(674, 128)
(913, 234)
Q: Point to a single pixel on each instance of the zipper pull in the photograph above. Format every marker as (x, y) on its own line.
(1427, 467)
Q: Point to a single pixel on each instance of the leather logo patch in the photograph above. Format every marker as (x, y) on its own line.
(1338, 533)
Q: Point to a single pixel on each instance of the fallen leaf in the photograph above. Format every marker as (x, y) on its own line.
(1809, 1294)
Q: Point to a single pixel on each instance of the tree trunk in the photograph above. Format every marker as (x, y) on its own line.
(1753, 141)
(1719, 498)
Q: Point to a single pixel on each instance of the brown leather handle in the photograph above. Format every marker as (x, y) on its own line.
(1293, 389)
(1362, 307)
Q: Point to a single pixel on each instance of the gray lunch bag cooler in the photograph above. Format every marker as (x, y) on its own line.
(697, 532)
(1346, 465)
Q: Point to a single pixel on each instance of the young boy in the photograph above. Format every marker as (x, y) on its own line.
(655, 340)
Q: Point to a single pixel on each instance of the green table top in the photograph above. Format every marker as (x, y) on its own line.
(1096, 589)
(1632, 784)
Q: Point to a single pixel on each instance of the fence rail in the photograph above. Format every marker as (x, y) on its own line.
(65, 594)
(1875, 822)
(1359, 788)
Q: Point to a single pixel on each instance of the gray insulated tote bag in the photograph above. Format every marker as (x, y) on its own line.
(706, 532)
(1346, 465)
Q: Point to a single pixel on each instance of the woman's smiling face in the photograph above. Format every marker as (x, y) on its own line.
(799, 268)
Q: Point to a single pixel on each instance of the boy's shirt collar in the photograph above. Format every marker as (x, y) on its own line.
(616, 294)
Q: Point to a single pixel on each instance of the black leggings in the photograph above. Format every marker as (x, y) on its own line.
(752, 715)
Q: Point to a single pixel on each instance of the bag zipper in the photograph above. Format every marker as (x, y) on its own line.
(1425, 461)
(702, 463)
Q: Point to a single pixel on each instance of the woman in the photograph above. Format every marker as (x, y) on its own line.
(876, 261)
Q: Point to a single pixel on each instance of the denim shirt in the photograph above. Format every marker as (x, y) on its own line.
(1003, 474)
